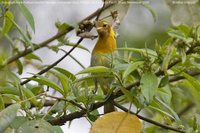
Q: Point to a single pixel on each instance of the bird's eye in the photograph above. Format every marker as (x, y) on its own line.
(104, 25)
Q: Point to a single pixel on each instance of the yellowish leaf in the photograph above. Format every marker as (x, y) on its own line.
(117, 122)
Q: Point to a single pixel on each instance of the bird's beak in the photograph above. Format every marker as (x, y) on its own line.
(99, 28)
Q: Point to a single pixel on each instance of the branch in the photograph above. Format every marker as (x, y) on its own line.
(36, 47)
(54, 64)
(68, 53)
(78, 114)
(70, 101)
(46, 42)
(149, 120)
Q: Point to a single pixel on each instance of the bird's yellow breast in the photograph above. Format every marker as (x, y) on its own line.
(105, 44)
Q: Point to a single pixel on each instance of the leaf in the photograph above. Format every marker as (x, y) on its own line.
(18, 121)
(33, 56)
(165, 94)
(19, 66)
(45, 81)
(132, 67)
(141, 51)
(36, 126)
(183, 55)
(66, 73)
(185, 29)
(2, 106)
(30, 96)
(57, 129)
(7, 116)
(27, 14)
(94, 69)
(63, 80)
(91, 77)
(9, 90)
(176, 34)
(12, 97)
(149, 85)
(161, 111)
(167, 57)
(7, 24)
(61, 28)
(58, 107)
(26, 38)
(164, 81)
(194, 85)
(170, 109)
(130, 97)
(117, 122)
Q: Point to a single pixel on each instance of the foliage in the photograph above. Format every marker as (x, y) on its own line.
(162, 82)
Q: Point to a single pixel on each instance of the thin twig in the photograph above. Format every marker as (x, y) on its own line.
(36, 47)
(149, 120)
(78, 114)
(46, 42)
(98, 15)
(70, 101)
(54, 64)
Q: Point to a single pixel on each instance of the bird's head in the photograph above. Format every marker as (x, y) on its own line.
(103, 28)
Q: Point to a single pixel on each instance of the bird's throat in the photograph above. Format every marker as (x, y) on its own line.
(105, 45)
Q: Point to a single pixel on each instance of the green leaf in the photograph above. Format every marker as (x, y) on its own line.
(26, 38)
(12, 97)
(9, 90)
(45, 81)
(66, 73)
(184, 29)
(164, 81)
(132, 67)
(33, 56)
(91, 77)
(167, 58)
(7, 116)
(57, 129)
(149, 85)
(19, 66)
(165, 94)
(183, 55)
(63, 80)
(161, 111)
(170, 109)
(94, 69)
(30, 96)
(2, 106)
(36, 126)
(61, 28)
(141, 51)
(27, 14)
(176, 34)
(130, 97)
(58, 107)
(194, 85)
(7, 24)
(18, 121)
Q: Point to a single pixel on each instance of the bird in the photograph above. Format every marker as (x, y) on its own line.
(102, 55)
